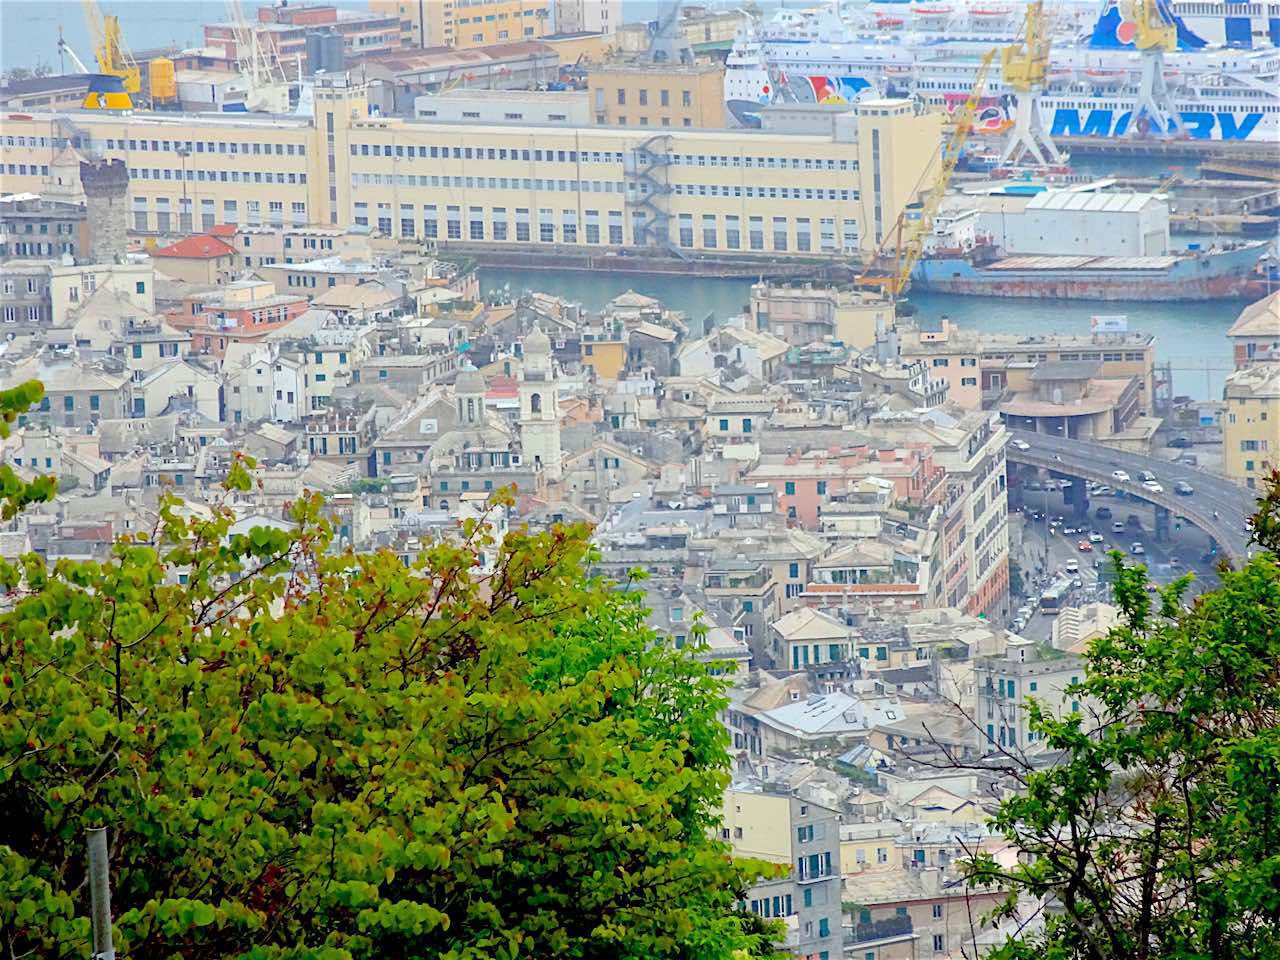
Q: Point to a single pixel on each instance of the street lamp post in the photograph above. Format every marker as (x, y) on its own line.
(184, 214)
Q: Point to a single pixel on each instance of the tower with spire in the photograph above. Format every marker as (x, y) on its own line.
(540, 406)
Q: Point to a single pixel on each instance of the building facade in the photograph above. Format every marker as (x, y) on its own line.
(665, 95)
(1003, 686)
(465, 23)
(587, 16)
(740, 192)
(807, 900)
(1251, 424)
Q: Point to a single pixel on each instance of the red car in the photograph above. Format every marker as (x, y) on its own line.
(1084, 546)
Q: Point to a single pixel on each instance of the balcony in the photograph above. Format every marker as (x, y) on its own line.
(888, 928)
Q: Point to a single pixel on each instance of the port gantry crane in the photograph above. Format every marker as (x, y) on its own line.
(113, 56)
(1154, 32)
(895, 258)
(1023, 66)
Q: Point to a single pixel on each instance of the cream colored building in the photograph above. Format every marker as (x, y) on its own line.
(1251, 424)
(466, 23)
(702, 190)
(979, 368)
(594, 16)
(628, 93)
(802, 315)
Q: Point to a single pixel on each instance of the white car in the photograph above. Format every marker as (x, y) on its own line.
(1020, 444)
(1120, 476)
(1096, 537)
(1152, 486)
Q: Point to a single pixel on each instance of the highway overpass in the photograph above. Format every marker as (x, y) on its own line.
(1091, 461)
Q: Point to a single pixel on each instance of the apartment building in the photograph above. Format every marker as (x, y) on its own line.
(284, 27)
(802, 315)
(587, 16)
(627, 93)
(1251, 424)
(979, 369)
(465, 23)
(701, 190)
(970, 449)
(35, 228)
(768, 823)
(1004, 685)
(1255, 336)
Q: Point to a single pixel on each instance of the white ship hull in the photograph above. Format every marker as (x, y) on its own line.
(1222, 94)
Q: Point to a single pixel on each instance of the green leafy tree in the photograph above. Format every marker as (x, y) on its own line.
(16, 493)
(1157, 835)
(300, 752)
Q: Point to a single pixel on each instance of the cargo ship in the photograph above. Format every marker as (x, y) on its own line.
(1218, 274)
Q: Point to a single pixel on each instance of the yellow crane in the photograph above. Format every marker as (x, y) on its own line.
(1023, 67)
(1153, 111)
(114, 58)
(900, 249)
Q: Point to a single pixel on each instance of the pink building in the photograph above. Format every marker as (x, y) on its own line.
(805, 483)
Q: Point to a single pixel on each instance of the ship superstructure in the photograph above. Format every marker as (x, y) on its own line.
(1093, 82)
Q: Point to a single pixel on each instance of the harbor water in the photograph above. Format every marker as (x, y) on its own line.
(1190, 336)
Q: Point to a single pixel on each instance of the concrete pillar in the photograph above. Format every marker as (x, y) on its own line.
(1078, 498)
(1162, 523)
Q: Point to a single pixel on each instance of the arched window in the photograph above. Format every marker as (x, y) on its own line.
(535, 403)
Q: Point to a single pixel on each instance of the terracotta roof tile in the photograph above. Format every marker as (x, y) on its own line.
(196, 248)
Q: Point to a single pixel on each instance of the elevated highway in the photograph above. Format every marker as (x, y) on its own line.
(1218, 506)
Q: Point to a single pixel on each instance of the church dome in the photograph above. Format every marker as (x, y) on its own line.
(470, 380)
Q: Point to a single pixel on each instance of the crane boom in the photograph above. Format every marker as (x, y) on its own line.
(113, 56)
(65, 48)
(891, 271)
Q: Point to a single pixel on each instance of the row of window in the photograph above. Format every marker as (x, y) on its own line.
(29, 228)
(25, 169)
(536, 155)
(217, 176)
(229, 148)
(567, 229)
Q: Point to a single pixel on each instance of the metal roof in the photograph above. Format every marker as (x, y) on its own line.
(1094, 202)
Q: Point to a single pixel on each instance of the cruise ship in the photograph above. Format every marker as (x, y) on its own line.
(931, 52)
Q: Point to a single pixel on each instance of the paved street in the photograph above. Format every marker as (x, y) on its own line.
(1213, 494)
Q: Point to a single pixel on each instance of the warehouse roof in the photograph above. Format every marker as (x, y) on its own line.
(1093, 202)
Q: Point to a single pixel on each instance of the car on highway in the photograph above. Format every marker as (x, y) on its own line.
(1117, 527)
(1183, 489)
(1120, 476)
(1069, 531)
(1095, 537)
(1134, 520)
(1137, 549)
(1180, 443)
(1102, 490)
(1103, 513)
(1020, 444)
(1084, 546)
(1073, 566)
(1152, 486)
(1145, 475)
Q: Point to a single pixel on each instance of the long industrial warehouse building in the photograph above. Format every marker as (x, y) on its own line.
(701, 190)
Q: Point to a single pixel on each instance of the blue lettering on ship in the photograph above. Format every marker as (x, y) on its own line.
(1107, 123)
